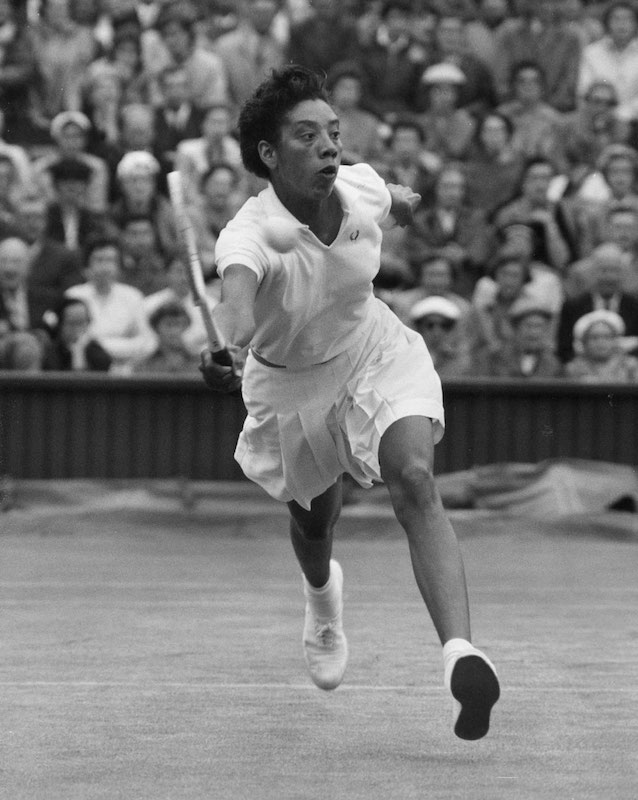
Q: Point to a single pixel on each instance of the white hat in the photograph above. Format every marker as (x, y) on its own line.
(64, 118)
(584, 323)
(435, 305)
(443, 73)
(137, 162)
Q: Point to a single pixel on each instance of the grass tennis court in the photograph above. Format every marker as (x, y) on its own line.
(151, 650)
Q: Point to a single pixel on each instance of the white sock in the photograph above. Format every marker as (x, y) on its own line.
(325, 599)
(453, 649)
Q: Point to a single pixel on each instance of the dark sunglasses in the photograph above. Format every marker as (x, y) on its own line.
(431, 325)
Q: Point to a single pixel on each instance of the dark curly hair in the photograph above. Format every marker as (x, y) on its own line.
(263, 114)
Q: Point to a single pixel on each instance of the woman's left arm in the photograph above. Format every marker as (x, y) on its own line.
(404, 203)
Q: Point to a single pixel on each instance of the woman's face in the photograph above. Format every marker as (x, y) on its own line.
(443, 96)
(436, 277)
(621, 26)
(600, 341)
(510, 278)
(494, 134)
(305, 159)
(74, 323)
(620, 176)
(138, 187)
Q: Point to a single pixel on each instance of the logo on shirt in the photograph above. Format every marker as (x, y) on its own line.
(354, 235)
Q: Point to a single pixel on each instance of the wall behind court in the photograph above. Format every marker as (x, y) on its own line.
(99, 426)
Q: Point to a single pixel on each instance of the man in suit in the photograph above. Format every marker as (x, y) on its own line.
(69, 220)
(607, 273)
(52, 266)
(23, 331)
(176, 118)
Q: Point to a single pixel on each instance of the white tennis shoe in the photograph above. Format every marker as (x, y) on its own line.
(472, 680)
(324, 642)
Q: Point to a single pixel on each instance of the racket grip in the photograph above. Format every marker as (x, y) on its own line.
(222, 357)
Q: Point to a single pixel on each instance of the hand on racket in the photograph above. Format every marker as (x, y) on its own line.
(220, 372)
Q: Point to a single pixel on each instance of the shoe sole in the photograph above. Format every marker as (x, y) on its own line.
(475, 686)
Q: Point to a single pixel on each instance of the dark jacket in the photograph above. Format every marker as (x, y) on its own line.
(57, 357)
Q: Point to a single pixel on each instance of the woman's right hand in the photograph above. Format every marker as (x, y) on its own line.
(220, 372)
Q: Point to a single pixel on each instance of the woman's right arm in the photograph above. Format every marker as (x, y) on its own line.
(235, 318)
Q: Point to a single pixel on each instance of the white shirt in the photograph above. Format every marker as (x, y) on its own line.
(118, 322)
(314, 300)
(601, 61)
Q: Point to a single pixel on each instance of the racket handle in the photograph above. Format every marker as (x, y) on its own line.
(222, 357)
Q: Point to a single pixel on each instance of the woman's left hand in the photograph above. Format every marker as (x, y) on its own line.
(404, 203)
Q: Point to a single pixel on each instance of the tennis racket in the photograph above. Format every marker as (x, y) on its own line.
(194, 269)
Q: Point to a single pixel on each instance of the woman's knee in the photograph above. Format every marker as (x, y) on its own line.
(413, 485)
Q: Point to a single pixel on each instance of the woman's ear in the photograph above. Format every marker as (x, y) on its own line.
(267, 153)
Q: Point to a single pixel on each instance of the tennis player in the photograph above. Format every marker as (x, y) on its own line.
(333, 382)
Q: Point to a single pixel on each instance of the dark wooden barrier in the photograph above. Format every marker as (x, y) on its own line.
(83, 426)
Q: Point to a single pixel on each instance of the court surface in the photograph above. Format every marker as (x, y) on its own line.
(150, 646)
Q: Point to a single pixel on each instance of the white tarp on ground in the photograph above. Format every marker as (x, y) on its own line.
(546, 490)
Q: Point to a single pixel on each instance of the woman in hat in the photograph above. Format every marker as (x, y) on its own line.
(598, 344)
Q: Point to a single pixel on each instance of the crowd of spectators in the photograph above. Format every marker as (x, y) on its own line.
(516, 120)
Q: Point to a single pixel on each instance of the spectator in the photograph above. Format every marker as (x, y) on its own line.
(435, 278)
(614, 58)
(482, 31)
(143, 265)
(178, 291)
(490, 320)
(437, 320)
(606, 291)
(69, 220)
(71, 347)
(177, 28)
(23, 168)
(8, 194)
(450, 228)
(63, 51)
(600, 357)
(18, 79)
(360, 130)
(493, 168)
(477, 93)
(251, 50)
(448, 129)
(70, 131)
(215, 145)
(118, 315)
(392, 63)
(220, 199)
(540, 34)
(52, 266)
(124, 62)
(406, 161)
(137, 175)
(325, 37)
(22, 309)
(536, 124)
(170, 322)
(528, 353)
(176, 118)
(101, 101)
(588, 131)
(556, 232)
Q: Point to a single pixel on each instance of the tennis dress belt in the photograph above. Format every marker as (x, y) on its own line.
(267, 363)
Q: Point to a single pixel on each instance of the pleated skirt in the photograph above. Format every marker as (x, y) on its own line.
(307, 426)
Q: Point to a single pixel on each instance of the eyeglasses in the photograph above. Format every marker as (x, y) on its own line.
(432, 325)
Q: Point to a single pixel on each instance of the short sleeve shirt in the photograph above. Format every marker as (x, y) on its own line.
(314, 300)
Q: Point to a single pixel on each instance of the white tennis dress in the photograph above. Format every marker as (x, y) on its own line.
(348, 368)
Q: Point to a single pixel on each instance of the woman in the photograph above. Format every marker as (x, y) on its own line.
(333, 382)
(493, 168)
(72, 348)
(600, 357)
